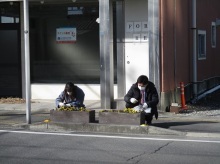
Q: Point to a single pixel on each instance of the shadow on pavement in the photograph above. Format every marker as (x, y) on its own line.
(168, 125)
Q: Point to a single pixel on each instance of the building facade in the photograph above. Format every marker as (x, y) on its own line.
(189, 48)
(103, 46)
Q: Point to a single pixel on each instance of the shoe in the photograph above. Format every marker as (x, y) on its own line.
(149, 123)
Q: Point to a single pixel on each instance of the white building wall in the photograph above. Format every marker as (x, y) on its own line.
(136, 40)
(51, 91)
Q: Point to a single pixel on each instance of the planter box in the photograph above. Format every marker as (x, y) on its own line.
(121, 118)
(72, 116)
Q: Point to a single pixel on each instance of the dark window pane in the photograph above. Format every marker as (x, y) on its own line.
(57, 62)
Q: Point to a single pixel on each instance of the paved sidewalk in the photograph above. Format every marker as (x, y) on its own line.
(13, 116)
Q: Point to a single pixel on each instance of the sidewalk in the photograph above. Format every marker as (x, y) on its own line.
(13, 116)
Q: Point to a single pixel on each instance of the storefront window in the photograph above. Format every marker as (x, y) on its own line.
(64, 43)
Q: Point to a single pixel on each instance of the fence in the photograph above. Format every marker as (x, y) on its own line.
(202, 87)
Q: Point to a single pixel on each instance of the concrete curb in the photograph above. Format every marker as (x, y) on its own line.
(106, 129)
(99, 128)
(161, 131)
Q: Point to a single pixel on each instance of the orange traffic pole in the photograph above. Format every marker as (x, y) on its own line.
(183, 102)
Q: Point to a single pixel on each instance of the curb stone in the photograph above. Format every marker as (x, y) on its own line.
(100, 128)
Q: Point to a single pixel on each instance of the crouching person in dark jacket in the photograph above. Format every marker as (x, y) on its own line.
(72, 95)
(143, 97)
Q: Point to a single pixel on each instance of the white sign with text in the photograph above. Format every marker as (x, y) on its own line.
(66, 35)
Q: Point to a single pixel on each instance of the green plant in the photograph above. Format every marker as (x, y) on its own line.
(72, 108)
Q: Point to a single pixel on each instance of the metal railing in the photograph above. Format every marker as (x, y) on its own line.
(202, 87)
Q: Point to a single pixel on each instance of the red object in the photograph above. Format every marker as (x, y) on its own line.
(142, 97)
(183, 102)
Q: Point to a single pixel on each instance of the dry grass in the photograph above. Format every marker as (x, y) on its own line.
(11, 100)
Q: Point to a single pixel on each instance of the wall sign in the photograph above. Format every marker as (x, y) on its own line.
(66, 35)
(144, 37)
(144, 26)
(136, 38)
(139, 31)
(129, 26)
(137, 27)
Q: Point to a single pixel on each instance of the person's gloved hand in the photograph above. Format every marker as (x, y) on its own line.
(145, 105)
(138, 108)
(68, 105)
(61, 104)
(133, 100)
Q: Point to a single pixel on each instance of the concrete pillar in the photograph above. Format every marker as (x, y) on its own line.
(106, 54)
(153, 26)
(120, 34)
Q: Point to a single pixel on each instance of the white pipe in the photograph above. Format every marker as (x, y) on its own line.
(27, 61)
(194, 58)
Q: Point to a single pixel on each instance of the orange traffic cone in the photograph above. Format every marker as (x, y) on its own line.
(183, 102)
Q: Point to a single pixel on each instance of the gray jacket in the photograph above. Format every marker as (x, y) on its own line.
(66, 99)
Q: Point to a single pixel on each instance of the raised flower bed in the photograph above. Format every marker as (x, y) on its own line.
(121, 118)
(72, 116)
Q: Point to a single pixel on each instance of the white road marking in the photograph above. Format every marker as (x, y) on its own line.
(113, 137)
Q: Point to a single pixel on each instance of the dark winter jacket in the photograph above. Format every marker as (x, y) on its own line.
(77, 101)
(151, 97)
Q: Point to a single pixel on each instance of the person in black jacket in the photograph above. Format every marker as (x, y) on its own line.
(143, 97)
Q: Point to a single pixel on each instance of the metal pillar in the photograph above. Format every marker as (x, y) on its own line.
(106, 54)
(120, 48)
(153, 32)
(194, 48)
(27, 60)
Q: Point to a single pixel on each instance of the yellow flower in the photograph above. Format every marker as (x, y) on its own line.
(47, 120)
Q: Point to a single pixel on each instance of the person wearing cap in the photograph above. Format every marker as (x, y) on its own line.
(143, 97)
(72, 95)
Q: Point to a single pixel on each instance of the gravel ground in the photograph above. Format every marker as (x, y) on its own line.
(208, 106)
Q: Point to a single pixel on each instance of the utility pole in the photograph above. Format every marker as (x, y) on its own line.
(27, 60)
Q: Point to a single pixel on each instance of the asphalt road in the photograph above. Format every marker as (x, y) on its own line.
(37, 147)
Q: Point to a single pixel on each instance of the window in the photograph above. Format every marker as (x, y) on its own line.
(201, 44)
(213, 35)
(5, 19)
(9, 12)
(56, 62)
